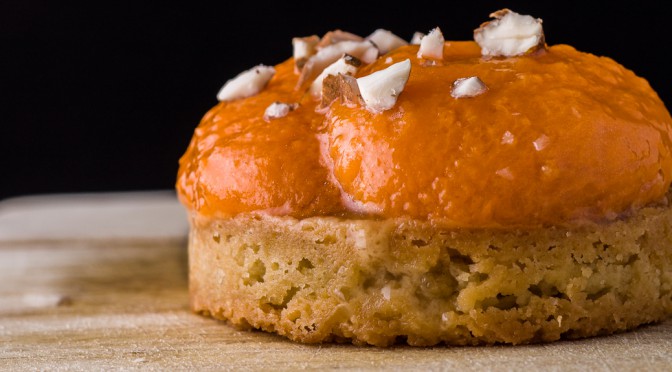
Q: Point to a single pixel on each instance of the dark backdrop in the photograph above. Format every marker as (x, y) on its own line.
(105, 97)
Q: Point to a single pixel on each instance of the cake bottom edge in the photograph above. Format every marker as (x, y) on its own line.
(382, 282)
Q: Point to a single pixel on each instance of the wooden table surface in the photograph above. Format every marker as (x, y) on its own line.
(91, 282)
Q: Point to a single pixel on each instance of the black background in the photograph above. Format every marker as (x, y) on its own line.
(99, 97)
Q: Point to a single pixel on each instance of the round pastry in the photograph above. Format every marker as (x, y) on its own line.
(373, 192)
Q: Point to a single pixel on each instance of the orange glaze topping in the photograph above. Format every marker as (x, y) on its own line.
(559, 137)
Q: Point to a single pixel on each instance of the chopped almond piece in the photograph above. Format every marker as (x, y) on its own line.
(541, 142)
(510, 34)
(277, 110)
(340, 86)
(417, 38)
(346, 65)
(468, 87)
(337, 36)
(350, 93)
(247, 83)
(330, 90)
(507, 138)
(381, 89)
(431, 46)
(505, 173)
(304, 47)
(386, 40)
(363, 50)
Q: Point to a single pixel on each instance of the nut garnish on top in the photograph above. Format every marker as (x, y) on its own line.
(377, 91)
(277, 110)
(431, 45)
(510, 34)
(336, 36)
(417, 38)
(468, 87)
(346, 65)
(386, 40)
(247, 83)
(363, 50)
(340, 86)
(327, 66)
(304, 48)
(381, 89)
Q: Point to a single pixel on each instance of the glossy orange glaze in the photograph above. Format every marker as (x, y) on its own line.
(239, 162)
(559, 137)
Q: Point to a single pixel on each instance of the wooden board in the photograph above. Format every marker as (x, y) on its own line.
(94, 302)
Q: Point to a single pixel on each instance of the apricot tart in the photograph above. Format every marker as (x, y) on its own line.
(372, 191)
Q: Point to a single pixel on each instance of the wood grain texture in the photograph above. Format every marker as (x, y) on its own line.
(123, 303)
(119, 215)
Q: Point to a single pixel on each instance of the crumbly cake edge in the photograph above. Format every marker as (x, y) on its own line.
(380, 282)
